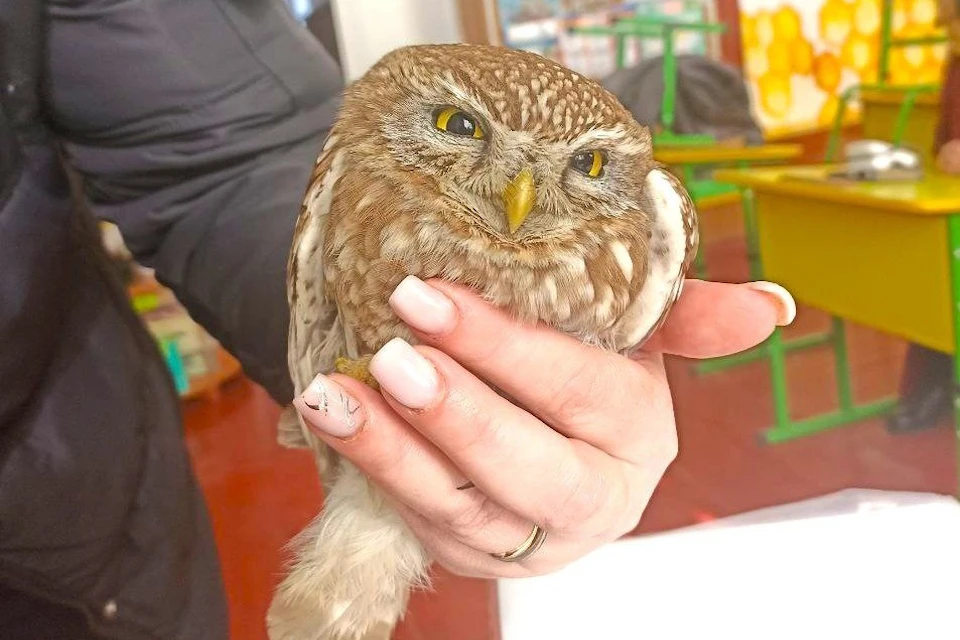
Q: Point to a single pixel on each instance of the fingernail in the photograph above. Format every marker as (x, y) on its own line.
(405, 374)
(329, 409)
(786, 306)
(423, 307)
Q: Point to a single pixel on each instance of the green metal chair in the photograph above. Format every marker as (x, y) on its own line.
(665, 29)
(912, 93)
(776, 347)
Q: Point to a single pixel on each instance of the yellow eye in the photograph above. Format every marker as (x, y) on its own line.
(455, 121)
(589, 163)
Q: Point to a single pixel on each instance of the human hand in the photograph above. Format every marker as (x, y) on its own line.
(582, 460)
(948, 159)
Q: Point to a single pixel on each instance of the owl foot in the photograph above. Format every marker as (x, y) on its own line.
(358, 369)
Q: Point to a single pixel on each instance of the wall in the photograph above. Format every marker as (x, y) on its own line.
(367, 29)
(800, 56)
(728, 12)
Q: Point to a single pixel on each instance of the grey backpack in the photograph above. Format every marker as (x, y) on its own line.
(712, 97)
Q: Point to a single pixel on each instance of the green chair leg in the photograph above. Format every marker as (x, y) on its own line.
(778, 379)
(784, 428)
(715, 365)
(751, 233)
(953, 233)
(762, 351)
(700, 265)
(842, 365)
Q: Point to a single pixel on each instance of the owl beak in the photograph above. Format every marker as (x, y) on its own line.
(518, 199)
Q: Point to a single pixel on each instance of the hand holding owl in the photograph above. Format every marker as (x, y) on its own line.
(583, 459)
(948, 159)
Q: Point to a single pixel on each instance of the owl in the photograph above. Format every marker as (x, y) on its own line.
(489, 167)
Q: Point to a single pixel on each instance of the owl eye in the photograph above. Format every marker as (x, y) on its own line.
(455, 121)
(589, 163)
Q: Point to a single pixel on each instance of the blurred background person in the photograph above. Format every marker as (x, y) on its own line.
(926, 388)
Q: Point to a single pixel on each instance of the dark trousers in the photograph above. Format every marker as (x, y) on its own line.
(925, 367)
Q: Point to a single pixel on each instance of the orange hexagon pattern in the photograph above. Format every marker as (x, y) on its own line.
(828, 45)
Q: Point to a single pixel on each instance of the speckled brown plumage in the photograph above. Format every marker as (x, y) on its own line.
(601, 257)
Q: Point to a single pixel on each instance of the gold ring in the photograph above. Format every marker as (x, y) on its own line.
(526, 549)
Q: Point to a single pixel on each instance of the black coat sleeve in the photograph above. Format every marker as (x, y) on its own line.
(194, 127)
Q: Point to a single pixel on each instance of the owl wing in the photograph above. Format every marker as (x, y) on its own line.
(673, 246)
(316, 334)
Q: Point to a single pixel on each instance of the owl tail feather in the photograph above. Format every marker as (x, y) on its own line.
(289, 431)
(353, 570)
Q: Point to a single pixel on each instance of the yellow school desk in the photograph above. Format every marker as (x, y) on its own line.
(721, 153)
(711, 193)
(885, 255)
(708, 192)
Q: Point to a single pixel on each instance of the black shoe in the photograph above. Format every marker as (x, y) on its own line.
(921, 410)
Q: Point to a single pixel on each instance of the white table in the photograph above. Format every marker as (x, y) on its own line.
(856, 564)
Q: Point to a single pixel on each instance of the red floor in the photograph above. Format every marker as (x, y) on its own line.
(260, 494)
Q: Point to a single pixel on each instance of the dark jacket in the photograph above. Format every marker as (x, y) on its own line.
(193, 126)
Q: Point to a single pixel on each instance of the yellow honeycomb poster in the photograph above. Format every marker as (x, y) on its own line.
(800, 55)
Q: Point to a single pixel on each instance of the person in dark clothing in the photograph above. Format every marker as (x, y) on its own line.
(194, 126)
(927, 383)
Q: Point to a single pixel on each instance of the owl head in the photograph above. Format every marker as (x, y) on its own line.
(518, 147)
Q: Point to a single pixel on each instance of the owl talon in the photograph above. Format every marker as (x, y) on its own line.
(358, 369)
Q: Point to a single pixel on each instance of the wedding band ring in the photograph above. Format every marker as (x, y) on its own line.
(526, 549)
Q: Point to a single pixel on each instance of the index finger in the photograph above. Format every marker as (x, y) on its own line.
(714, 319)
(710, 319)
(555, 376)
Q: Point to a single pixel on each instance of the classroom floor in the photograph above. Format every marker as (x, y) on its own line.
(260, 494)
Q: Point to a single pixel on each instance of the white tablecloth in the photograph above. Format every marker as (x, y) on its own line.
(856, 564)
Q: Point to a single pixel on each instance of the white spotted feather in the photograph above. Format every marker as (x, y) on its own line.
(673, 245)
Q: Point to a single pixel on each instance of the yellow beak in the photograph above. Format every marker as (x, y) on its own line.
(518, 199)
